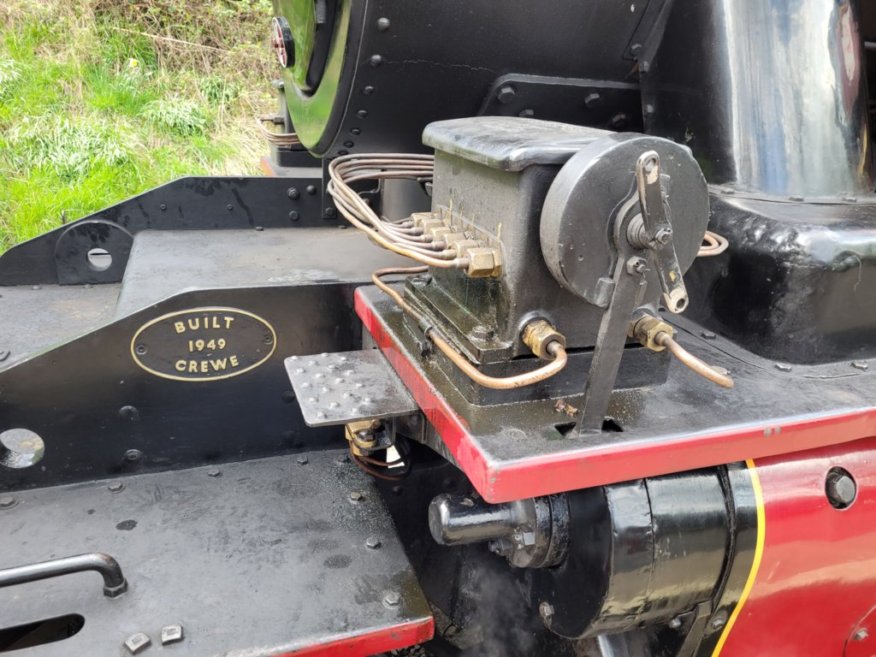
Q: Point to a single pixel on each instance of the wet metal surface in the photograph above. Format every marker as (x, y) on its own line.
(264, 559)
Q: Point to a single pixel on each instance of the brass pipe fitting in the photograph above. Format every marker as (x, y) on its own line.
(538, 335)
(647, 328)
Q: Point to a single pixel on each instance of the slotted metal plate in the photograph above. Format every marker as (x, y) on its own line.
(344, 387)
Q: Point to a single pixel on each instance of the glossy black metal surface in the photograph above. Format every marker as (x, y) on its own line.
(648, 549)
(796, 283)
(59, 256)
(410, 63)
(771, 96)
(115, 406)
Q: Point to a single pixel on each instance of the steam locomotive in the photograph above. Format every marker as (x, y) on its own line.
(551, 331)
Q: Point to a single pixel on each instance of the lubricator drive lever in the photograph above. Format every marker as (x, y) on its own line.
(654, 232)
(629, 289)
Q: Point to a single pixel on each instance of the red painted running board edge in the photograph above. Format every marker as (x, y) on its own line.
(371, 643)
(596, 466)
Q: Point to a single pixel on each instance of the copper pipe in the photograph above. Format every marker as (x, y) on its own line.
(508, 382)
(689, 360)
(714, 245)
(496, 383)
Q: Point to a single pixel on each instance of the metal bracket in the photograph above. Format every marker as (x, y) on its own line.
(339, 388)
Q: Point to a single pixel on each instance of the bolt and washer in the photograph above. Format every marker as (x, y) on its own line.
(840, 488)
(137, 643)
(8, 501)
(171, 634)
(546, 611)
(506, 94)
(115, 487)
(719, 620)
(391, 599)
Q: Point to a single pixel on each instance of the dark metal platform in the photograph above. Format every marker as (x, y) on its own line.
(527, 449)
(259, 558)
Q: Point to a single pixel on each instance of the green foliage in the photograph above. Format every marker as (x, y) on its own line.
(68, 149)
(102, 99)
(178, 115)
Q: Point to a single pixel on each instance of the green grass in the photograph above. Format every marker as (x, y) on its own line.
(103, 99)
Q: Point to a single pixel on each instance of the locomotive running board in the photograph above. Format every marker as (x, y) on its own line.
(262, 558)
(515, 451)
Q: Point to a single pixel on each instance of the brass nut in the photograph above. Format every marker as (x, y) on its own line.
(463, 245)
(429, 224)
(419, 217)
(483, 262)
(352, 431)
(647, 328)
(450, 239)
(538, 335)
(438, 232)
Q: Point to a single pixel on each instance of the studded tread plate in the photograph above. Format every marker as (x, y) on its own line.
(344, 387)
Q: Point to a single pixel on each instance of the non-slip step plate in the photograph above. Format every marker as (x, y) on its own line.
(344, 387)
(264, 558)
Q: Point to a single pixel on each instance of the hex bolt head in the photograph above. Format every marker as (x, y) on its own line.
(663, 235)
(675, 623)
(133, 455)
(137, 643)
(782, 367)
(356, 496)
(506, 94)
(293, 193)
(840, 488)
(392, 599)
(373, 543)
(302, 460)
(171, 634)
(214, 472)
(8, 501)
(719, 620)
(115, 487)
(636, 265)
(860, 365)
(708, 335)
(861, 635)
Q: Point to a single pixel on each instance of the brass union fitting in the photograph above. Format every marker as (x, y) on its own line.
(647, 328)
(538, 335)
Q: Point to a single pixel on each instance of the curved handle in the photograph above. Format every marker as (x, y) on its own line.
(114, 583)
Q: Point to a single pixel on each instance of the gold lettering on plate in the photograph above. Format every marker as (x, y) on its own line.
(203, 344)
